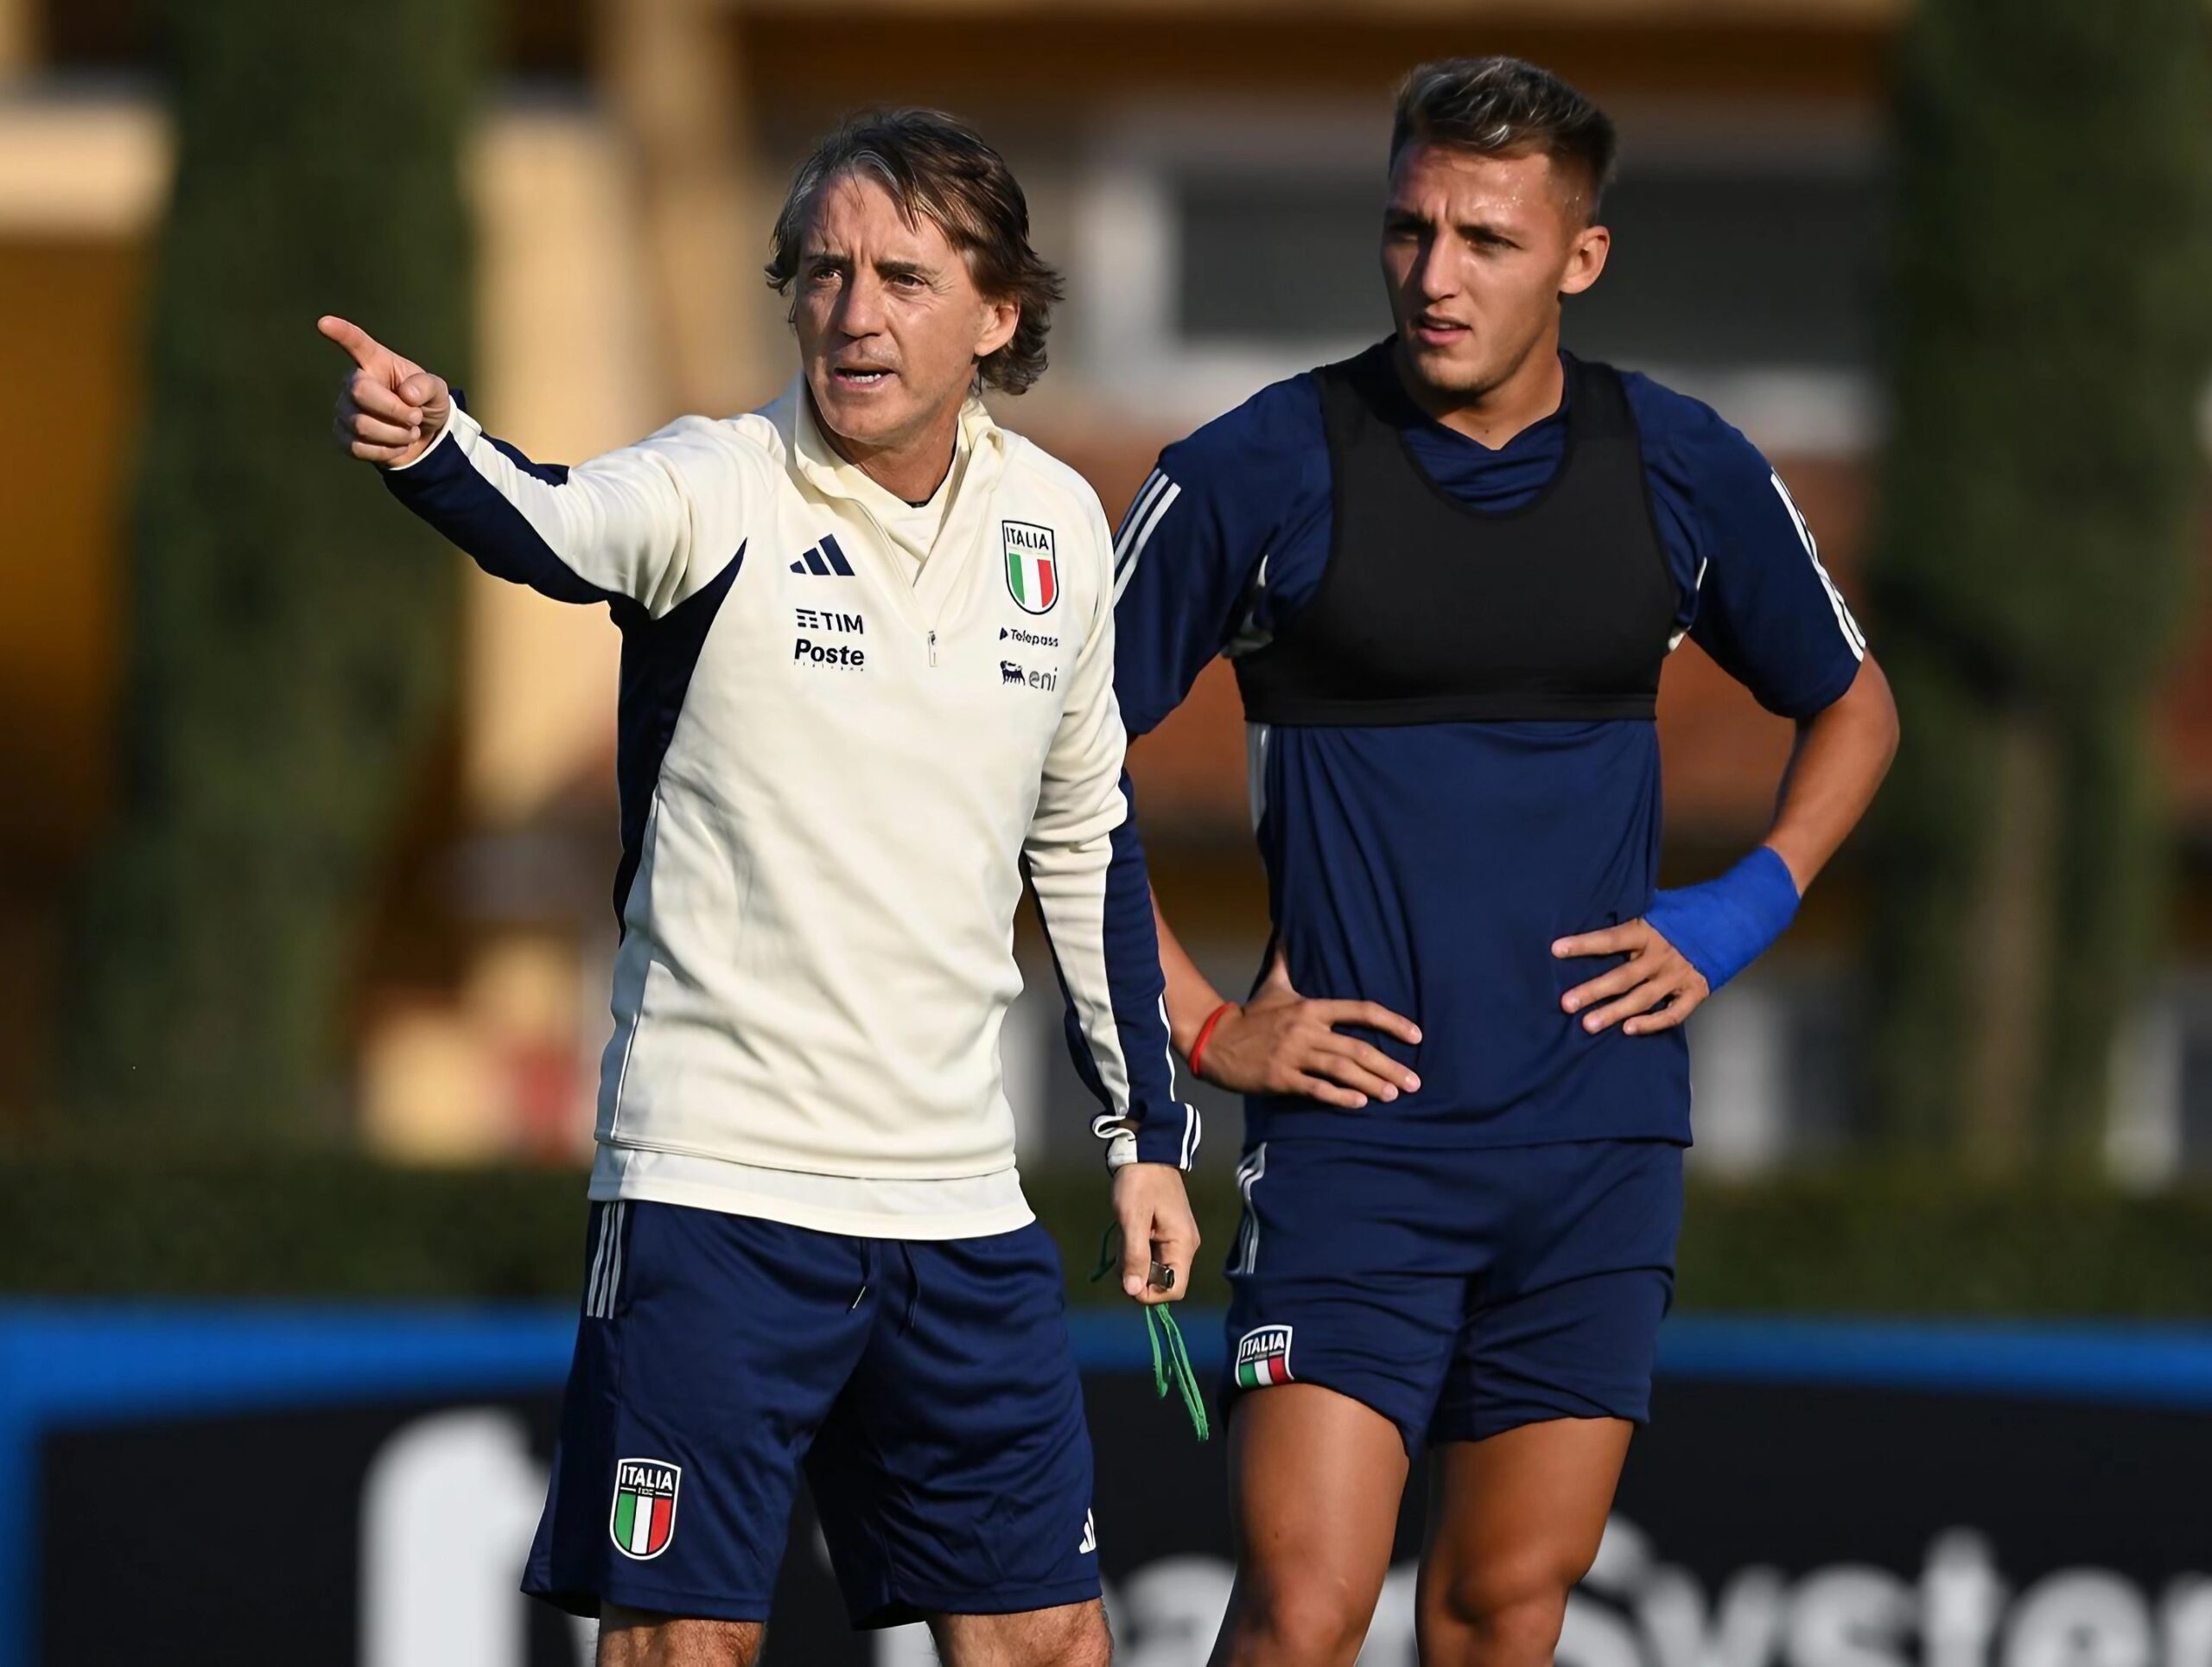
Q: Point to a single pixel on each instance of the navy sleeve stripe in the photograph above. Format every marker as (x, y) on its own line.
(1849, 625)
(1123, 1054)
(658, 659)
(554, 474)
(1139, 993)
(445, 488)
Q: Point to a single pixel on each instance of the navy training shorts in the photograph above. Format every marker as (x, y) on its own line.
(927, 1386)
(1459, 1293)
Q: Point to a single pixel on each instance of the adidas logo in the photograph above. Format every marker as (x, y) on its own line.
(825, 559)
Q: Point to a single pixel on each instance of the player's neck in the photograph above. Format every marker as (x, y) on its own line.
(1491, 416)
(912, 467)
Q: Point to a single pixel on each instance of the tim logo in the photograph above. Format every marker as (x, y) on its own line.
(825, 559)
(643, 1521)
(822, 618)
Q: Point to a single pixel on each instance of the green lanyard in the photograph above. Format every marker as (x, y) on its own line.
(1170, 1361)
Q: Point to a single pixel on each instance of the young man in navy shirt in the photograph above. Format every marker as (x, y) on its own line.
(1447, 573)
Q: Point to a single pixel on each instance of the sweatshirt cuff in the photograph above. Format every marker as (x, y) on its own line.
(1171, 1139)
(446, 455)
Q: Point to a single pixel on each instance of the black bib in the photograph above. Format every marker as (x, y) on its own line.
(1431, 612)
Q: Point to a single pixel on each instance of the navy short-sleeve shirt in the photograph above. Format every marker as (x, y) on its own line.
(1429, 867)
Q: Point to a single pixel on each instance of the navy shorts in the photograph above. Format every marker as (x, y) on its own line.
(1459, 1293)
(927, 1387)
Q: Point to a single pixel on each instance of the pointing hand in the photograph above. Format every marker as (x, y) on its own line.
(389, 409)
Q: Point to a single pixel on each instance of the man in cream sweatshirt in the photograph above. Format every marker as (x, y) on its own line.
(866, 688)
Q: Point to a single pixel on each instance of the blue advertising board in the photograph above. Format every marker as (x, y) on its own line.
(247, 1483)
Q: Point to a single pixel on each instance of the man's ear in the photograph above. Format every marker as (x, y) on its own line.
(1001, 320)
(1586, 259)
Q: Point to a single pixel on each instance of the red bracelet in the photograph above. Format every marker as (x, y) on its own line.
(1205, 1034)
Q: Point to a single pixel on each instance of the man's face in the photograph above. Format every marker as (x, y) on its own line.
(889, 320)
(1477, 251)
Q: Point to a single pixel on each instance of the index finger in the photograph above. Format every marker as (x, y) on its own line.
(365, 349)
(1372, 1015)
(1612, 941)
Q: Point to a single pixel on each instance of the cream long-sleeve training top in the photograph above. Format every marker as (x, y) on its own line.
(840, 753)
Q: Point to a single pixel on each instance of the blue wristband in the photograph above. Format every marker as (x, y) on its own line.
(1725, 924)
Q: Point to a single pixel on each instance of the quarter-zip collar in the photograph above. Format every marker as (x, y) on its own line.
(923, 592)
(978, 459)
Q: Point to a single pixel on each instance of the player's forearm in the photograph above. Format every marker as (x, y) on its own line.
(1840, 757)
(1725, 924)
(1191, 998)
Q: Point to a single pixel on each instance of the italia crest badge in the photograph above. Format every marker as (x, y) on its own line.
(1032, 573)
(644, 1519)
(1263, 1357)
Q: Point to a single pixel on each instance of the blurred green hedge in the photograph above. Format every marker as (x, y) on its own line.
(312, 1226)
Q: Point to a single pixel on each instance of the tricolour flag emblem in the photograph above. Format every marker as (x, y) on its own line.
(1033, 575)
(644, 1519)
(1263, 1357)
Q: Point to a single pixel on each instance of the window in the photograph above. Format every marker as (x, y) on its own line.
(1220, 253)
(1265, 259)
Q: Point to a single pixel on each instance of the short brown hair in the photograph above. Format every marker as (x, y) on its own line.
(1502, 107)
(937, 168)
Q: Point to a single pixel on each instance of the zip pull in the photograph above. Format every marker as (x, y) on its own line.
(932, 648)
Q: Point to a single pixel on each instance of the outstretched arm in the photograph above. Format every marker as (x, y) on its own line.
(651, 523)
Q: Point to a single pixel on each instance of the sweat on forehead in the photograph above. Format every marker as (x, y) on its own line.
(1529, 169)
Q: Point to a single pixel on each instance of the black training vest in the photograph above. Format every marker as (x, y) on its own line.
(1431, 612)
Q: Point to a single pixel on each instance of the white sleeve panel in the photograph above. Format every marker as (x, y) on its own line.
(652, 522)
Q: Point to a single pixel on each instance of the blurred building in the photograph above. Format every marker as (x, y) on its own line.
(1207, 175)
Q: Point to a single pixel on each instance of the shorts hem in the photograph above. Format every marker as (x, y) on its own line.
(587, 1601)
(1231, 1393)
(1482, 1429)
(1018, 1601)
